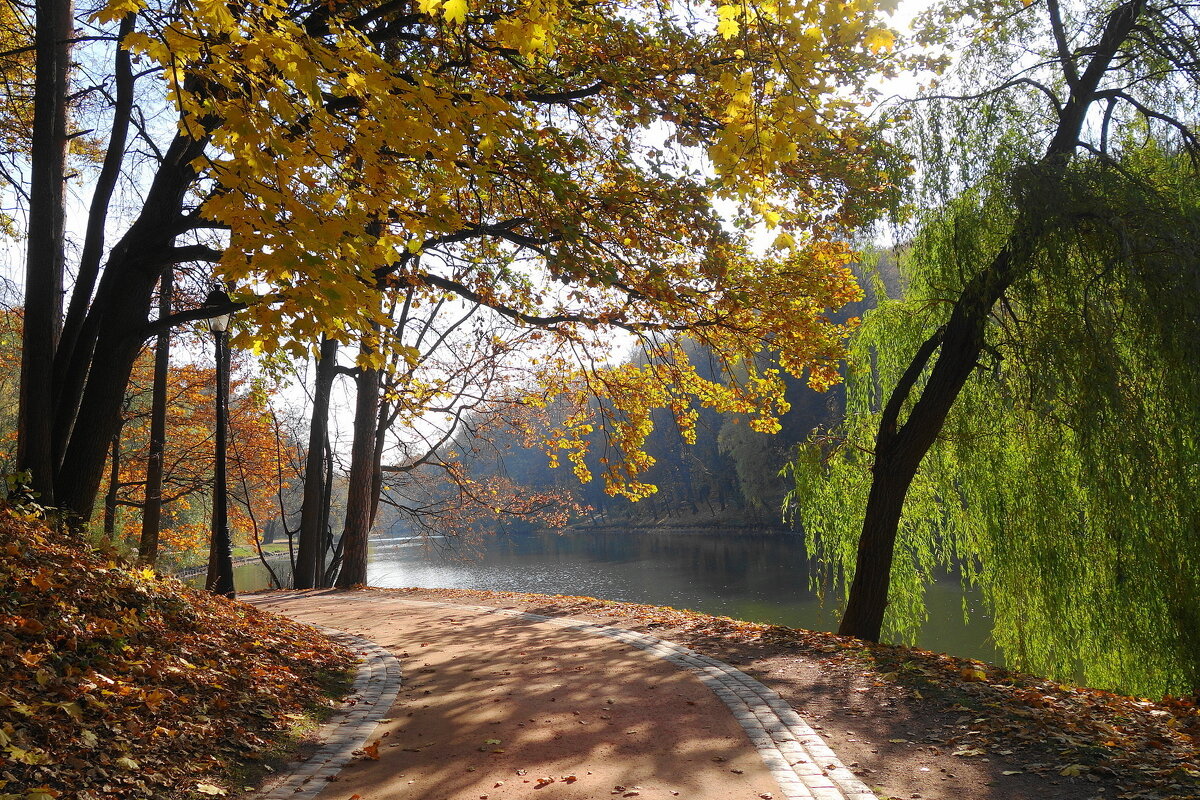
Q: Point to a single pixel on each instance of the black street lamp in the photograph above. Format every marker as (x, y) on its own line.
(220, 553)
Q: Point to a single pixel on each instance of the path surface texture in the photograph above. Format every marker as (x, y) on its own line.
(497, 704)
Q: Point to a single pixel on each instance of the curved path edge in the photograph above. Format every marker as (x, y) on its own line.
(375, 689)
(795, 755)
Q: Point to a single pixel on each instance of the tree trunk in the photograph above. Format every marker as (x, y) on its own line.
(900, 448)
(114, 483)
(326, 574)
(311, 549)
(93, 385)
(152, 507)
(358, 498)
(381, 429)
(93, 239)
(44, 266)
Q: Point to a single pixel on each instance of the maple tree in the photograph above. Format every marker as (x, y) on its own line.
(187, 456)
(559, 163)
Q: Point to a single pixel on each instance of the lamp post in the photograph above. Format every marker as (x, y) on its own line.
(220, 553)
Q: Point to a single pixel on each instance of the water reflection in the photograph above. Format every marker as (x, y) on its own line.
(762, 578)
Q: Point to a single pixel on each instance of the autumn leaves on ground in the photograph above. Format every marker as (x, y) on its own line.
(118, 684)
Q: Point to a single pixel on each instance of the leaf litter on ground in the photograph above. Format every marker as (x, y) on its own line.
(116, 683)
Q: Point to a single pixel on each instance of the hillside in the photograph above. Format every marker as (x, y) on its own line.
(116, 683)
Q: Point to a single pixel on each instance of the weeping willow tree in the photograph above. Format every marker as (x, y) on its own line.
(1027, 413)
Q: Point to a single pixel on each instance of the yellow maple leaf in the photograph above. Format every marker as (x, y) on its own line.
(455, 10)
(879, 40)
(727, 24)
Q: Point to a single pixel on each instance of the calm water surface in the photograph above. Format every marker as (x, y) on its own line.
(761, 578)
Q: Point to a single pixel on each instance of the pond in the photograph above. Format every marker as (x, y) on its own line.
(760, 578)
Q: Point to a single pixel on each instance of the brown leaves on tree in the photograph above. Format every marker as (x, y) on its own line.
(115, 683)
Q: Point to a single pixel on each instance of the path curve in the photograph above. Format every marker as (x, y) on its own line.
(376, 685)
(794, 755)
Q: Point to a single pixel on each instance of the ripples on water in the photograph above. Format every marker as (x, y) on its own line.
(761, 578)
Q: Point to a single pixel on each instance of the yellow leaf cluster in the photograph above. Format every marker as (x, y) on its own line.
(485, 151)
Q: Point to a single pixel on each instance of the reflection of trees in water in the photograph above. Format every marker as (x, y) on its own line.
(761, 578)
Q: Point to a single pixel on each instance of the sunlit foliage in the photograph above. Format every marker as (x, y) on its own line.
(561, 164)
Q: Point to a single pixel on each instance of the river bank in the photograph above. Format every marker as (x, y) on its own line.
(695, 524)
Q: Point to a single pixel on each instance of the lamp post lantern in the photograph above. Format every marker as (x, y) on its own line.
(220, 553)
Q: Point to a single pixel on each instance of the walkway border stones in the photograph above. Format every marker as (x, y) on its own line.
(375, 689)
(795, 755)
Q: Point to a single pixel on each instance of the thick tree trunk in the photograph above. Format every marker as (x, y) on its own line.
(311, 549)
(358, 498)
(87, 412)
(900, 448)
(152, 506)
(44, 266)
(93, 240)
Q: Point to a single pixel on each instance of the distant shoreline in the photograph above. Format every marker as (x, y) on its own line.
(686, 526)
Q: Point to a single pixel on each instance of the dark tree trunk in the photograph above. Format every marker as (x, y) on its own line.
(152, 507)
(381, 429)
(44, 265)
(114, 483)
(327, 574)
(93, 240)
(87, 412)
(358, 498)
(900, 448)
(311, 548)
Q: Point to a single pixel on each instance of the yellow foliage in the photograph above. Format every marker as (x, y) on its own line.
(487, 150)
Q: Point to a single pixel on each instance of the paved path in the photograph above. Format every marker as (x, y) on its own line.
(498, 704)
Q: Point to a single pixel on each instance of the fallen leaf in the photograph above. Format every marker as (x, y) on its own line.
(210, 789)
(972, 674)
(371, 751)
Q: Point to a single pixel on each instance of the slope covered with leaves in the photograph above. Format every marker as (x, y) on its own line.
(115, 683)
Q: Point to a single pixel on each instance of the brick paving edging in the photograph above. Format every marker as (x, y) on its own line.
(795, 755)
(375, 689)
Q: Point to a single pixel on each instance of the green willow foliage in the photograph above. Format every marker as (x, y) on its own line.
(1065, 484)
